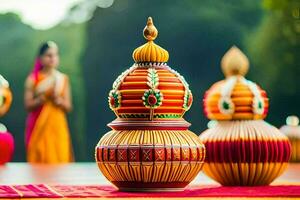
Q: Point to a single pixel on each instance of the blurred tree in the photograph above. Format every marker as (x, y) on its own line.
(196, 34)
(274, 50)
(18, 47)
(15, 58)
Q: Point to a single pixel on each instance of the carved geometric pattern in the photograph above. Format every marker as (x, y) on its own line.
(194, 154)
(149, 154)
(168, 154)
(105, 154)
(185, 153)
(159, 154)
(176, 154)
(122, 155)
(134, 155)
(112, 154)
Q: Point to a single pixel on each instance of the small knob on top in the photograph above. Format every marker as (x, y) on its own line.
(292, 120)
(234, 62)
(150, 31)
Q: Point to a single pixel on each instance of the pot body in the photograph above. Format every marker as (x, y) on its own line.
(293, 133)
(150, 158)
(245, 152)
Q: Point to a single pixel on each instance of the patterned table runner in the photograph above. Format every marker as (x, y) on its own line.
(60, 191)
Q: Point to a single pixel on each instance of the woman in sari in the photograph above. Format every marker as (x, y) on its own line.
(47, 99)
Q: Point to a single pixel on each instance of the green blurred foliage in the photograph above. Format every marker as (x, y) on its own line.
(18, 46)
(196, 34)
(274, 50)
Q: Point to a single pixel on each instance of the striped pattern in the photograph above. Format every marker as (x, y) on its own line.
(244, 174)
(242, 98)
(295, 150)
(247, 152)
(153, 159)
(134, 85)
(150, 52)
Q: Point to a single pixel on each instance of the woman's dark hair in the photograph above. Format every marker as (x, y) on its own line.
(42, 50)
(45, 46)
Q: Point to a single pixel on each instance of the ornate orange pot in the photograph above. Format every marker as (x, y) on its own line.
(150, 147)
(5, 96)
(6, 139)
(242, 149)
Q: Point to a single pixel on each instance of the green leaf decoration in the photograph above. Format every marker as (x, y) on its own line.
(152, 78)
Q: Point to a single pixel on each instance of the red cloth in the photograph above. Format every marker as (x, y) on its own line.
(8, 192)
(57, 191)
(36, 191)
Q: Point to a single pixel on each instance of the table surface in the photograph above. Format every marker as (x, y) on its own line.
(89, 174)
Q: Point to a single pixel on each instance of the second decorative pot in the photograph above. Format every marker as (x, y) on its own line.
(242, 149)
(292, 131)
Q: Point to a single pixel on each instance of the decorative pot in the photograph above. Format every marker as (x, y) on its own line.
(6, 139)
(5, 96)
(292, 131)
(6, 145)
(150, 147)
(242, 149)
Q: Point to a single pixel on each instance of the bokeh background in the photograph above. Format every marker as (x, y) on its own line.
(97, 37)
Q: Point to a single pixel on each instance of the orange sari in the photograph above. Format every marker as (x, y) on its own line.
(47, 134)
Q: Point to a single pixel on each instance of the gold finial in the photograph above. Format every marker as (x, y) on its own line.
(292, 120)
(150, 31)
(234, 62)
(150, 52)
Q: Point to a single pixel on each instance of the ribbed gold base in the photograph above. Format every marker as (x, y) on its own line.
(150, 160)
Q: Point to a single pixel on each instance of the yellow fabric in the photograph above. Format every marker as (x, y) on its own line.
(50, 140)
